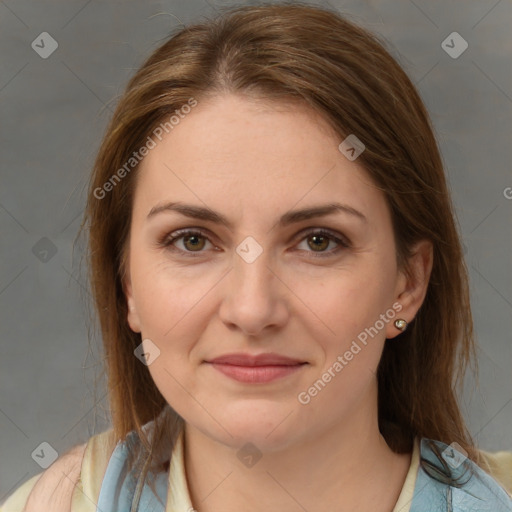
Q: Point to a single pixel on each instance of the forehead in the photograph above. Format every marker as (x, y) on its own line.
(233, 152)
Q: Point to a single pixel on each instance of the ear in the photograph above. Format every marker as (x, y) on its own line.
(410, 290)
(133, 317)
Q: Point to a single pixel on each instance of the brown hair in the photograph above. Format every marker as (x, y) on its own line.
(317, 57)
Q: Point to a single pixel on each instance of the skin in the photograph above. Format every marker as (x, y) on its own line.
(55, 487)
(253, 161)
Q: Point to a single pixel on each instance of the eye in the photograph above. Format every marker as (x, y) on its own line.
(320, 239)
(194, 240)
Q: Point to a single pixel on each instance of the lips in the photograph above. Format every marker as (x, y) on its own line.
(256, 360)
(257, 369)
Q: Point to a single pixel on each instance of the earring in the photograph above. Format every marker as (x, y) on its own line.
(401, 324)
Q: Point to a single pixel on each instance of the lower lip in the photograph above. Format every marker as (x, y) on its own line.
(256, 374)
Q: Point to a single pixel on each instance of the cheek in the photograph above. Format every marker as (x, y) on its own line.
(174, 309)
(166, 296)
(350, 305)
(348, 302)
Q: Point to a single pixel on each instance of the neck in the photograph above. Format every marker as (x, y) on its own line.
(345, 467)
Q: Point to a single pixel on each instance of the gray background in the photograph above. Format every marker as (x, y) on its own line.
(53, 112)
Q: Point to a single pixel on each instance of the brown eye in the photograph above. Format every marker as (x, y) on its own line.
(193, 242)
(319, 242)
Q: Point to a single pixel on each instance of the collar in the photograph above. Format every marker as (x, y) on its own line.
(426, 489)
(473, 489)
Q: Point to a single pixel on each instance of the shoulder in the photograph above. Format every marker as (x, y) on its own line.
(54, 489)
(454, 480)
(71, 483)
(499, 465)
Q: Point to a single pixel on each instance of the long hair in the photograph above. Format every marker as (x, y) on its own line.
(318, 58)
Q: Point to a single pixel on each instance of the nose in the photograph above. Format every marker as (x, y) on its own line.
(255, 297)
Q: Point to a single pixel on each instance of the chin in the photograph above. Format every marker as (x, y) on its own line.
(269, 426)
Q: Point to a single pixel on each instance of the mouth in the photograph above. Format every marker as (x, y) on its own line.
(261, 368)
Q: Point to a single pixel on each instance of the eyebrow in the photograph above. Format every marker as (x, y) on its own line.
(291, 217)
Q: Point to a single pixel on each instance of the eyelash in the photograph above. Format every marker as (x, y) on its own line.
(168, 240)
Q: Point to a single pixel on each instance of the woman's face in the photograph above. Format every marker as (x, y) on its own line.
(262, 283)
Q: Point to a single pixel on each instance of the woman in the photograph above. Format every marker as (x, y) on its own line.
(280, 285)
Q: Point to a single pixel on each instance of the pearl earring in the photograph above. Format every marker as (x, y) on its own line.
(401, 324)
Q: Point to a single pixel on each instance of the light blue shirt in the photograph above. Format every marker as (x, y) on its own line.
(473, 491)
